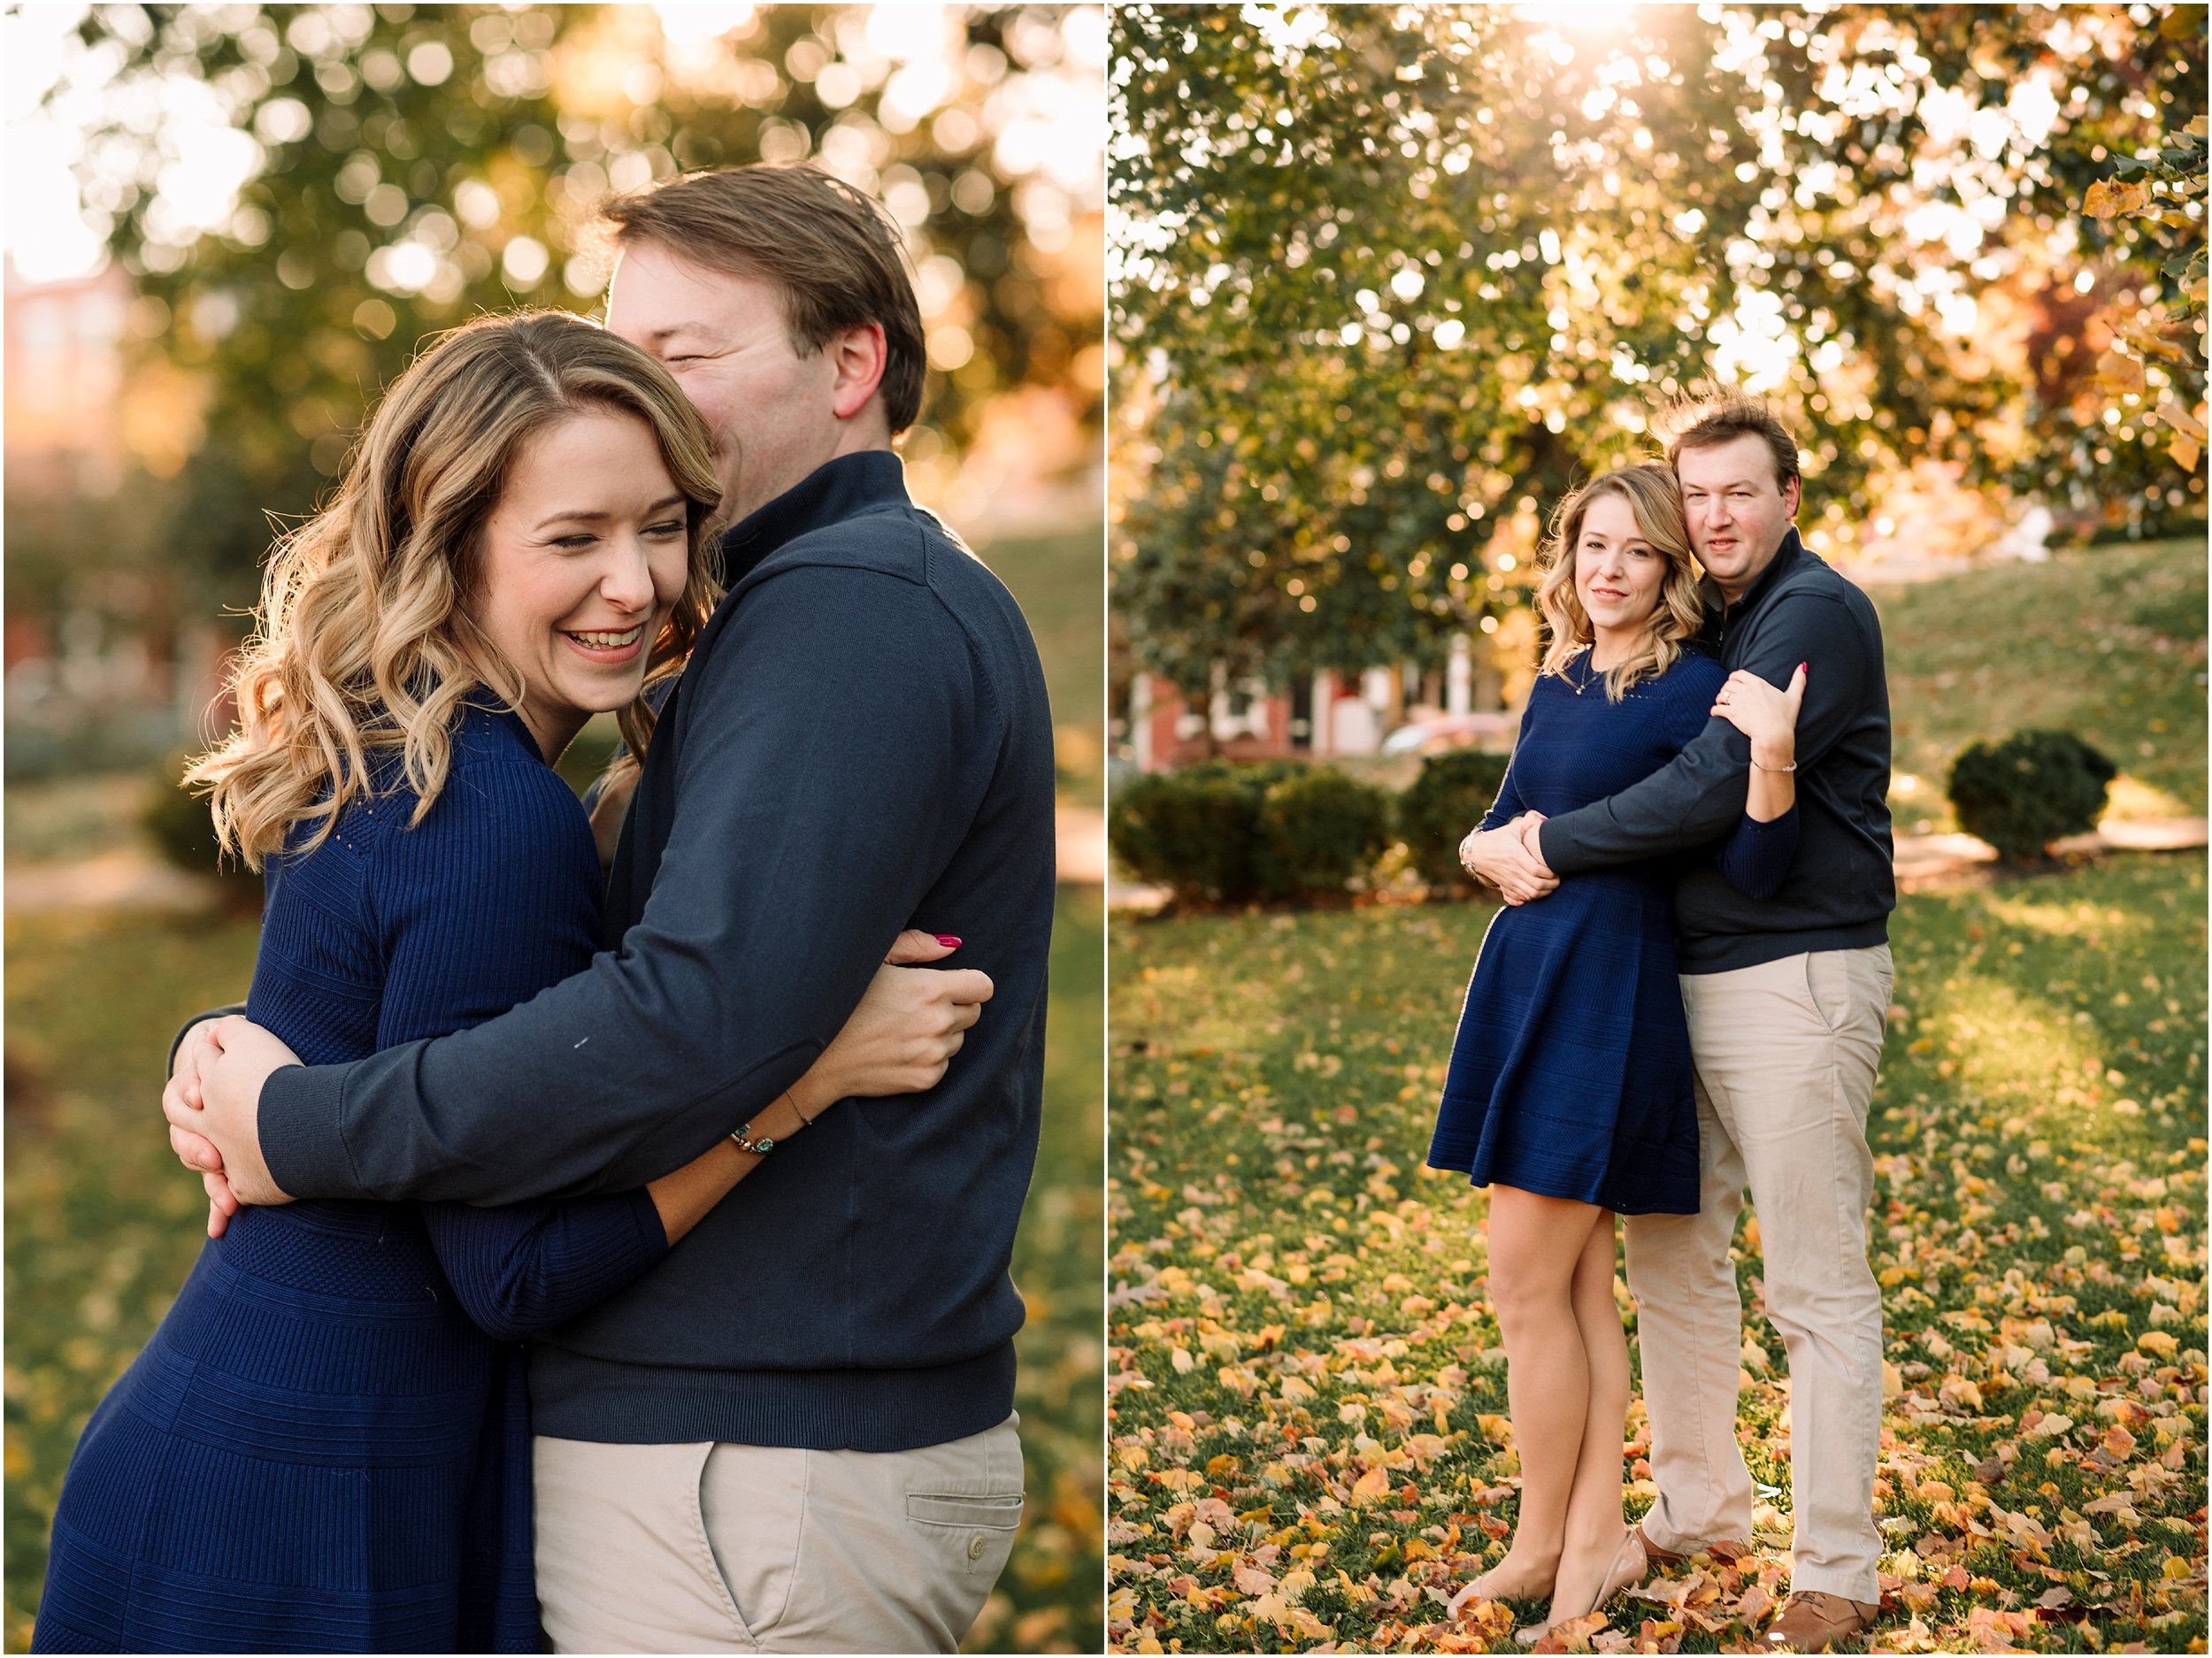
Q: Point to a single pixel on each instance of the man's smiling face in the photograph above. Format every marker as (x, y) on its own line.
(1738, 513)
(725, 339)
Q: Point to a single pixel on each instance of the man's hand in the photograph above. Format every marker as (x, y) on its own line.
(213, 1104)
(1532, 843)
(1501, 858)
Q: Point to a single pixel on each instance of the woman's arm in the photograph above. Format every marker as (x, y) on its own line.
(885, 1048)
(522, 1268)
(681, 1200)
(1756, 858)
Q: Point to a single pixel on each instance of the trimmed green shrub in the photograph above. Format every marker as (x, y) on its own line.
(183, 832)
(1194, 830)
(2029, 790)
(1318, 829)
(1439, 806)
(1222, 833)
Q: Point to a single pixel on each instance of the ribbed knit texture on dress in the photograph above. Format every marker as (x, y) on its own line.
(325, 1446)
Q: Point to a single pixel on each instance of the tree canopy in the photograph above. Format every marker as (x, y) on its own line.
(302, 194)
(1386, 281)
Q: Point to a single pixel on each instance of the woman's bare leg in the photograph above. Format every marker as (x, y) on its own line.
(1536, 1245)
(1594, 1524)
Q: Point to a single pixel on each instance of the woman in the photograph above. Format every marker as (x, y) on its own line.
(325, 1444)
(1569, 1092)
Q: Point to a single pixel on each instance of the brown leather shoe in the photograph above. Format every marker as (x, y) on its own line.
(1812, 1621)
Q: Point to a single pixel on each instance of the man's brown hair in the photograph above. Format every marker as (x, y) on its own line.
(835, 254)
(1722, 416)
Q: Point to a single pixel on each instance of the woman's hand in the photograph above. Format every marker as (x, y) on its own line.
(1766, 716)
(910, 948)
(897, 1041)
(1500, 858)
(905, 1032)
(212, 1100)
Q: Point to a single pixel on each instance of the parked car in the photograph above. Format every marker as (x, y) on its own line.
(1446, 732)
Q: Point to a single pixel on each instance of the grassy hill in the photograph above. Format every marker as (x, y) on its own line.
(2107, 642)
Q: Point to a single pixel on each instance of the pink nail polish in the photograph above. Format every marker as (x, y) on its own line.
(946, 939)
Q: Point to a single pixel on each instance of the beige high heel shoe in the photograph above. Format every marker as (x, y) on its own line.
(1617, 1578)
(1472, 1590)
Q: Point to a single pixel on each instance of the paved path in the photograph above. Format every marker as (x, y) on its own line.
(1922, 858)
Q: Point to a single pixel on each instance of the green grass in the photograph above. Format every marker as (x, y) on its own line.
(2107, 642)
(102, 1225)
(1297, 1304)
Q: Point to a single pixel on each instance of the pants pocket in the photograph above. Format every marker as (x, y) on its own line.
(752, 1507)
(1827, 988)
(973, 1533)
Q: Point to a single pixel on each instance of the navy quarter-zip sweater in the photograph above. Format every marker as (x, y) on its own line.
(859, 744)
(1842, 885)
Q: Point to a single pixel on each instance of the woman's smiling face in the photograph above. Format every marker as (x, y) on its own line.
(1618, 573)
(584, 559)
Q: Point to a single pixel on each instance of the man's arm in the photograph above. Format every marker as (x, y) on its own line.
(1698, 797)
(838, 744)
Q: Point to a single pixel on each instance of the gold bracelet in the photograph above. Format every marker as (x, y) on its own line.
(746, 1143)
(1792, 766)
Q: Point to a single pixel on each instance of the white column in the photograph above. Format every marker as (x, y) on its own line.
(1140, 720)
(1459, 677)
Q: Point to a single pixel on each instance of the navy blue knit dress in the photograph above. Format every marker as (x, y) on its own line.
(1570, 1073)
(325, 1444)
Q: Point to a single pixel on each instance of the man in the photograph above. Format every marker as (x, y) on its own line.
(796, 1433)
(1787, 1000)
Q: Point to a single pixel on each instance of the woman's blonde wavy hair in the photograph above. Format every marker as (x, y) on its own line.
(365, 645)
(1654, 497)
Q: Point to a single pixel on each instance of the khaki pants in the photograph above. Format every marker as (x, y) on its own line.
(708, 1549)
(1785, 1055)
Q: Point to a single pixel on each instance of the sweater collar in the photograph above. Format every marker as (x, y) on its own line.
(842, 488)
(1787, 557)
